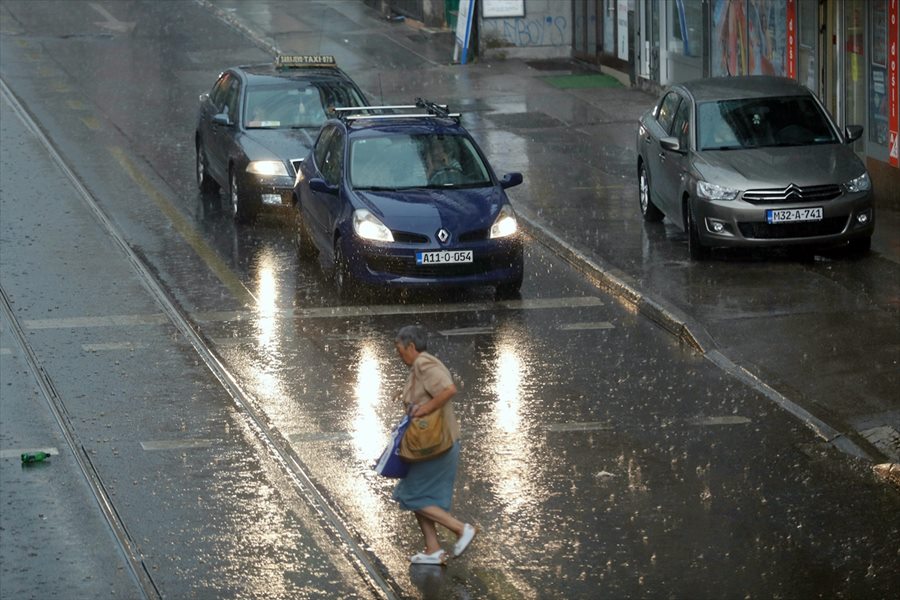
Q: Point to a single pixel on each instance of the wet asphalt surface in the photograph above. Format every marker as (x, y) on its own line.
(601, 457)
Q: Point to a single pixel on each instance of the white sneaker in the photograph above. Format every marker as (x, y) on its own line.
(465, 539)
(438, 557)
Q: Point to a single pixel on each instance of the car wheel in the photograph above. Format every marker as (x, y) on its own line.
(509, 290)
(347, 287)
(696, 249)
(648, 209)
(861, 245)
(240, 212)
(206, 183)
(302, 240)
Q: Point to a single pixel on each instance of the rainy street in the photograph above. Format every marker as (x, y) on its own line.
(213, 409)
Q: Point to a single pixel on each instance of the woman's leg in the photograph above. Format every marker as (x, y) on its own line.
(432, 544)
(435, 514)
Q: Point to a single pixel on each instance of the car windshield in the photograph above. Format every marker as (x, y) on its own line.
(762, 122)
(296, 104)
(402, 161)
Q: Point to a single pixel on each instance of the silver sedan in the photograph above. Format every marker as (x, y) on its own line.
(752, 161)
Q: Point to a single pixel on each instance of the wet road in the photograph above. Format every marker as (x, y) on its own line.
(600, 456)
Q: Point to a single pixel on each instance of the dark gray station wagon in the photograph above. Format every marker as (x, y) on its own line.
(752, 161)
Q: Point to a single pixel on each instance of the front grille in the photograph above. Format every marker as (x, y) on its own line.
(766, 231)
(475, 235)
(407, 267)
(793, 193)
(404, 237)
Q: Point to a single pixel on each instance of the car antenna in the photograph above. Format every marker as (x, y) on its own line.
(380, 89)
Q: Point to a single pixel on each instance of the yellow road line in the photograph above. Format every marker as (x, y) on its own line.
(187, 231)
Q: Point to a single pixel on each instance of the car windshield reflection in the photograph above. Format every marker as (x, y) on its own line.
(408, 161)
(761, 123)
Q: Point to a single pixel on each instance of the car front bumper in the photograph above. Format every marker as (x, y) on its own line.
(745, 224)
(495, 262)
(269, 192)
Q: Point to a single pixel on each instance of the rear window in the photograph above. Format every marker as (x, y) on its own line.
(763, 122)
(296, 104)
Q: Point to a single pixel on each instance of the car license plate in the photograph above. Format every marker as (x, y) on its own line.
(444, 257)
(788, 215)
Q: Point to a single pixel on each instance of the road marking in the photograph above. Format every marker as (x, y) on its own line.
(586, 326)
(176, 444)
(191, 236)
(586, 426)
(91, 123)
(113, 346)
(320, 436)
(5, 351)
(18, 452)
(467, 331)
(340, 312)
(724, 420)
(107, 321)
(75, 104)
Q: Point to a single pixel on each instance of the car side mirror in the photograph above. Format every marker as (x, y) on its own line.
(511, 180)
(670, 143)
(222, 119)
(317, 184)
(853, 133)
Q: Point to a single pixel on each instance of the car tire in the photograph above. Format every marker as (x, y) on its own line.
(860, 245)
(240, 212)
(509, 290)
(347, 288)
(696, 249)
(649, 210)
(302, 240)
(205, 182)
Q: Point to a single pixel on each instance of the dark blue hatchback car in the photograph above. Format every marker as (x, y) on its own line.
(402, 196)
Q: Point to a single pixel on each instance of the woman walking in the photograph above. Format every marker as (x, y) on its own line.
(428, 488)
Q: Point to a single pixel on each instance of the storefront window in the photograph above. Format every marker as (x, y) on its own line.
(808, 26)
(855, 63)
(749, 37)
(878, 111)
(685, 27)
(609, 26)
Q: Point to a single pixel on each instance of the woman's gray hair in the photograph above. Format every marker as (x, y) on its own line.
(414, 334)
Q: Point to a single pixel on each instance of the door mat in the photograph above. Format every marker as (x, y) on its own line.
(564, 82)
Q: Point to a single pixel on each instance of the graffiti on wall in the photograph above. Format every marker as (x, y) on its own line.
(749, 37)
(522, 32)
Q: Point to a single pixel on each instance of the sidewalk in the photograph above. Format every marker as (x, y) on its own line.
(819, 336)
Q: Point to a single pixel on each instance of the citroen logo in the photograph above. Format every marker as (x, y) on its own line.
(443, 235)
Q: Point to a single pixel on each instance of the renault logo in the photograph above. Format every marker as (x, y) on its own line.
(443, 235)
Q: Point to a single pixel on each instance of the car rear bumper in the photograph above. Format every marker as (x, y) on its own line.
(745, 224)
(496, 262)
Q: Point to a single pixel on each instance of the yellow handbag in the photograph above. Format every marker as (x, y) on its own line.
(426, 437)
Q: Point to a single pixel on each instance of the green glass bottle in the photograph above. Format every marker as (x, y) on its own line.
(34, 457)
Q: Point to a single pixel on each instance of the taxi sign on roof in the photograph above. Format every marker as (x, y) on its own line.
(305, 60)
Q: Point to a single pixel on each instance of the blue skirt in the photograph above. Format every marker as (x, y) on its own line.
(430, 482)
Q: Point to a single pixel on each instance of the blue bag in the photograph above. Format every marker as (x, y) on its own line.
(390, 464)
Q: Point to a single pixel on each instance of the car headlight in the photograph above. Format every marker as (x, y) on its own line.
(712, 191)
(859, 184)
(505, 224)
(367, 226)
(267, 167)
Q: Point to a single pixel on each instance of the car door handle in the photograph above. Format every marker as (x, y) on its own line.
(662, 156)
(647, 139)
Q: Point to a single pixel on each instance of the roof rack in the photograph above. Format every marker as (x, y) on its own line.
(430, 109)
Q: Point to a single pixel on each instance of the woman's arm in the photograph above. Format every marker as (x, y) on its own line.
(436, 402)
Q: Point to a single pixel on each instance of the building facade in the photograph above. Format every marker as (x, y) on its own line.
(843, 50)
